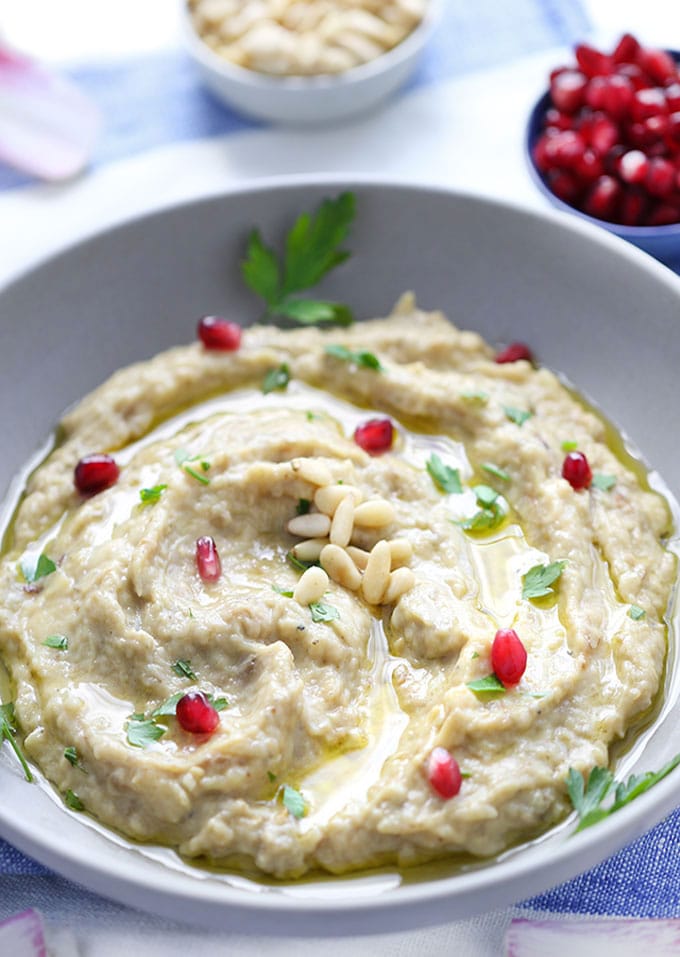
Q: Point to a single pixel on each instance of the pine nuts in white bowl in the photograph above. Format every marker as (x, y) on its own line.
(291, 91)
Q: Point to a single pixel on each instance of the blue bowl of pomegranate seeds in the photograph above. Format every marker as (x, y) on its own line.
(604, 142)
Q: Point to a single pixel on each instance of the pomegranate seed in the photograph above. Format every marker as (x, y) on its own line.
(576, 471)
(634, 74)
(590, 166)
(617, 96)
(565, 148)
(208, 559)
(672, 94)
(514, 352)
(604, 134)
(663, 214)
(195, 713)
(633, 206)
(375, 436)
(94, 473)
(674, 127)
(657, 127)
(626, 49)
(564, 185)
(558, 121)
(219, 334)
(508, 657)
(591, 61)
(603, 198)
(443, 773)
(649, 102)
(633, 166)
(595, 92)
(660, 178)
(567, 90)
(658, 65)
(541, 154)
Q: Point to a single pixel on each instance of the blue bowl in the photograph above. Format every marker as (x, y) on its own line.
(662, 242)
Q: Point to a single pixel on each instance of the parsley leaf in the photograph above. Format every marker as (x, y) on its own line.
(479, 398)
(60, 642)
(323, 612)
(495, 471)
(43, 567)
(219, 704)
(361, 357)
(271, 776)
(297, 563)
(8, 724)
(636, 613)
(150, 495)
(537, 581)
(311, 252)
(286, 592)
(72, 800)
(490, 514)
(569, 445)
(276, 379)
(488, 685)
(182, 457)
(603, 482)
(303, 506)
(444, 477)
(72, 757)
(141, 731)
(183, 669)
(168, 707)
(518, 416)
(293, 801)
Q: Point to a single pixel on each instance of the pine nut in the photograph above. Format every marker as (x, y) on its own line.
(377, 574)
(312, 525)
(340, 567)
(312, 471)
(329, 497)
(400, 582)
(311, 586)
(343, 522)
(401, 552)
(358, 556)
(310, 549)
(374, 513)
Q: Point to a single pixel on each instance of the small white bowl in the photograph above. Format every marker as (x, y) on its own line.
(311, 100)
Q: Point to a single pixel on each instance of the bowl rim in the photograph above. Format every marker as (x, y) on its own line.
(293, 84)
(518, 870)
(631, 233)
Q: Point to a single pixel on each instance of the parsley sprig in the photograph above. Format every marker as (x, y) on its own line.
(537, 582)
(588, 797)
(446, 478)
(359, 357)
(8, 730)
(311, 251)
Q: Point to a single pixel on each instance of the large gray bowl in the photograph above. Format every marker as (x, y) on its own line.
(590, 305)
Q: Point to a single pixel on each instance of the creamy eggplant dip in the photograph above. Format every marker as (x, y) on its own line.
(371, 614)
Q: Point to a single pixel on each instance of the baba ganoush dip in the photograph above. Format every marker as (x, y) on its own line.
(180, 673)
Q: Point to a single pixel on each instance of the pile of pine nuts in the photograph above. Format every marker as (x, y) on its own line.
(326, 536)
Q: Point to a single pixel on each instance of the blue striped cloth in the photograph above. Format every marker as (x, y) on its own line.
(157, 100)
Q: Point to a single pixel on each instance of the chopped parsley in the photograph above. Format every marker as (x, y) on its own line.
(286, 592)
(276, 379)
(446, 479)
(293, 801)
(361, 358)
(536, 583)
(487, 685)
(150, 495)
(72, 800)
(182, 457)
(168, 707)
(141, 731)
(43, 567)
(60, 642)
(588, 797)
(271, 776)
(303, 506)
(311, 251)
(569, 445)
(183, 669)
(479, 398)
(518, 416)
(491, 513)
(8, 730)
(604, 482)
(72, 757)
(297, 563)
(322, 612)
(636, 613)
(495, 471)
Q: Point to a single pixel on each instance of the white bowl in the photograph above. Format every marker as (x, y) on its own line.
(589, 304)
(313, 100)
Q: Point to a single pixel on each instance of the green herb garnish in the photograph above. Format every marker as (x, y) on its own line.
(183, 669)
(8, 730)
(168, 707)
(271, 776)
(72, 757)
(276, 379)
(636, 613)
(60, 642)
(286, 592)
(495, 471)
(72, 800)
(312, 251)
(322, 612)
(488, 685)
(444, 477)
(518, 416)
(604, 482)
(490, 514)
(182, 457)
(43, 567)
(219, 704)
(150, 495)
(141, 731)
(365, 360)
(587, 798)
(293, 801)
(297, 563)
(537, 581)
(569, 445)
(481, 398)
(303, 506)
